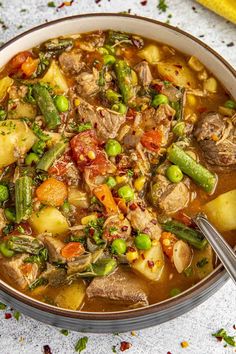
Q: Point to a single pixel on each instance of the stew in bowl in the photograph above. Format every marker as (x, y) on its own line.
(110, 144)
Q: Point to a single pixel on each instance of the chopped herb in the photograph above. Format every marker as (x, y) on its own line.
(7, 229)
(83, 127)
(130, 173)
(23, 10)
(114, 349)
(20, 229)
(95, 229)
(51, 4)
(3, 114)
(44, 61)
(39, 132)
(162, 5)
(188, 272)
(65, 332)
(202, 262)
(37, 282)
(2, 306)
(40, 259)
(17, 315)
(112, 230)
(222, 334)
(81, 344)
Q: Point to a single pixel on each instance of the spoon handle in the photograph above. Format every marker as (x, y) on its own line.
(220, 246)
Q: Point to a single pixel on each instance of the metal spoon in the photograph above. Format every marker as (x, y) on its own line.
(220, 246)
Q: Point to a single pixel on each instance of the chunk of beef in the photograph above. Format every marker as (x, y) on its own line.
(92, 41)
(80, 264)
(144, 73)
(54, 247)
(55, 276)
(71, 62)
(15, 269)
(143, 220)
(114, 228)
(122, 286)
(169, 197)
(107, 122)
(162, 118)
(217, 138)
(87, 83)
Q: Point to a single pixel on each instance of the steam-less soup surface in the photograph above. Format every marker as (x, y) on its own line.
(109, 144)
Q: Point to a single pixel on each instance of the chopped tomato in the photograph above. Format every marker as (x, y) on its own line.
(59, 168)
(84, 148)
(151, 140)
(72, 249)
(100, 165)
(17, 61)
(29, 66)
(131, 114)
(167, 241)
(185, 219)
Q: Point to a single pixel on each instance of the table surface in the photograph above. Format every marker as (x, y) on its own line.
(29, 336)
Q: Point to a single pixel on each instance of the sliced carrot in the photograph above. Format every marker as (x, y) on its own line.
(52, 192)
(121, 205)
(167, 241)
(151, 140)
(104, 195)
(72, 249)
(29, 66)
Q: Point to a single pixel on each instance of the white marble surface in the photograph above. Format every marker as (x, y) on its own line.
(29, 336)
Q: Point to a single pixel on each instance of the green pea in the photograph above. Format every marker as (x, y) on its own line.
(109, 59)
(118, 246)
(31, 158)
(174, 174)
(39, 147)
(143, 242)
(179, 129)
(111, 182)
(102, 50)
(4, 193)
(119, 107)
(61, 103)
(113, 147)
(230, 104)
(110, 49)
(5, 251)
(126, 192)
(10, 214)
(112, 95)
(159, 99)
(175, 292)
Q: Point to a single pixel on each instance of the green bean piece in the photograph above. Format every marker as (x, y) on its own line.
(190, 167)
(5, 251)
(124, 78)
(10, 214)
(51, 155)
(31, 158)
(39, 147)
(26, 244)
(38, 282)
(46, 105)
(185, 233)
(4, 193)
(104, 266)
(23, 198)
(115, 37)
(57, 45)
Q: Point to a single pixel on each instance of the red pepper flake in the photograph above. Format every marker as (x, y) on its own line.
(8, 316)
(102, 197)
(91, 232)
(150, 264)
(124, 346)
(168, 353)
(97, 1)
(133, 206)
(202, 109)
(143, 3)
(131, 249)
(131, 114)
(65, 3)
(154, 221)
(124, 228)
(47, 349)
(142, 256)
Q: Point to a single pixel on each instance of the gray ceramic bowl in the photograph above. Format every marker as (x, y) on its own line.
(165, 310)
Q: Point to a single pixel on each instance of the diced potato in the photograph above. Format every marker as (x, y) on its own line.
(151, 53)
(71, 296)
(202, 262)
(182, 255)
(50, 220)
(191, 100)
(16, 139)
(221, 211)
(176, 71)
(55, 79)
(195, 64)
(54, 139)
(144, 263)
(210, 85)
(203, 75)
(228, 112)
(5, 83)
(22, 110)
(77, 198)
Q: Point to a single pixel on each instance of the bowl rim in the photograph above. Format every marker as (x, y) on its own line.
(187, 296)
